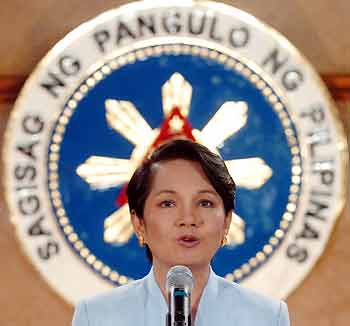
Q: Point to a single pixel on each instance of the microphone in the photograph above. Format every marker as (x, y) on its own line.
(179, 285)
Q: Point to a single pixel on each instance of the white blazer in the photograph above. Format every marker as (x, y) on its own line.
(141, 303)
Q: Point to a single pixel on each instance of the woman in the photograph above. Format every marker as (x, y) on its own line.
(181, 201)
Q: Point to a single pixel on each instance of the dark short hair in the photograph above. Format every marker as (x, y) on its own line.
(212, 165)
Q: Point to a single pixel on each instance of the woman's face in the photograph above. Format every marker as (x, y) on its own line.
(184, 218)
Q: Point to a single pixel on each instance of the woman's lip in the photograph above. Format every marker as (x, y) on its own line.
(188, 243)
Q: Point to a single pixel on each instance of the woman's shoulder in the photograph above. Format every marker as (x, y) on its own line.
(117, 296)
(236, 290)
(102, 309)
(251, 303)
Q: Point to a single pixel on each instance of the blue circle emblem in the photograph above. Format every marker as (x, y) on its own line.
(95, 151)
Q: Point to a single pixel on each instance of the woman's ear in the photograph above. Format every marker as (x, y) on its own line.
(227, 223)
(138, 224)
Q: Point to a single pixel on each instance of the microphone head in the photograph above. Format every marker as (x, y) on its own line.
(179, 277)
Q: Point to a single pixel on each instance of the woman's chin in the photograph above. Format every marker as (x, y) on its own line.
(190, 262)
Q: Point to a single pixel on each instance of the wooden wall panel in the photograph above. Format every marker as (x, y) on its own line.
(318, 28)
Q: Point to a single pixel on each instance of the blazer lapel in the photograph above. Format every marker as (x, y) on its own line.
(213, 306)
(155, 306)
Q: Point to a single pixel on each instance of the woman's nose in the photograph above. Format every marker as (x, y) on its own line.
(189, 217)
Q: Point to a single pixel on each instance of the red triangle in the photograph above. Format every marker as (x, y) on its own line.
(166, 134)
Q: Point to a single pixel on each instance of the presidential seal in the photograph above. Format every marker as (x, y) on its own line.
(123, 83)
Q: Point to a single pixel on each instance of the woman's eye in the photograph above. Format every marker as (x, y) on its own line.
(167, 203)
(206, 203)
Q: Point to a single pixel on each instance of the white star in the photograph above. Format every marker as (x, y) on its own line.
(176, 124)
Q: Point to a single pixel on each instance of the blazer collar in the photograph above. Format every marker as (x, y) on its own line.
(156, 304)
(208, 301)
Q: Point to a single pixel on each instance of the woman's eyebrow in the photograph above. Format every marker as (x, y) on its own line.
(202, 191)
(164, 191)
(208, 191)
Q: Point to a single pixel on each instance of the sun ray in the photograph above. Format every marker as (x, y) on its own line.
(249, 173)
(123, 117)
(176, 92)
(230, 118)
(117, 226)
(104, 172)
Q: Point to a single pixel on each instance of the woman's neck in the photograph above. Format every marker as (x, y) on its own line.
(200, 276)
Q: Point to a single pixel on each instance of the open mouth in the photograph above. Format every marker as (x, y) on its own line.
(188, 241)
